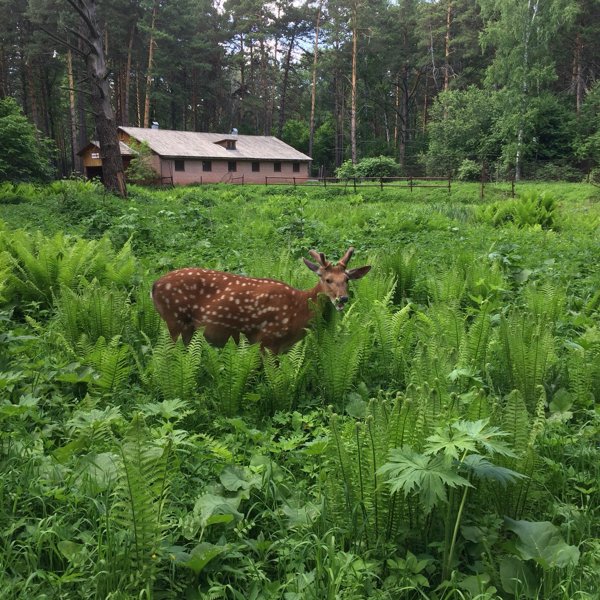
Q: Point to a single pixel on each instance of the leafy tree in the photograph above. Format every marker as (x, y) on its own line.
(24, 154)
(140, 168)
(296, 134)
(522, 34)
(462, 127)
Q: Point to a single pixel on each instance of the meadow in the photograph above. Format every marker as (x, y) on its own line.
(438, 439)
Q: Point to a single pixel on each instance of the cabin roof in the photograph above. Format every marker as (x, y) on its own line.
(191, 144)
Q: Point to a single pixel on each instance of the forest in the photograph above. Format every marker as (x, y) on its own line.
(509, 86)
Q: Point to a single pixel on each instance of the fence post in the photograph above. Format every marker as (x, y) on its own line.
(449, 182)
(354, 182)
(266, 180)
(381, 182)
(294, 181)
(512, 187)
(410, 183)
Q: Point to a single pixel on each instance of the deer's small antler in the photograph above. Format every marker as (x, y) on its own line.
(346, 258)
(319, 257)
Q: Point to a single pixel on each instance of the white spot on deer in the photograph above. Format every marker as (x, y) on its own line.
(168, 286)
(286, 320)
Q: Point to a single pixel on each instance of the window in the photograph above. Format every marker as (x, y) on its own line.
(277, 167)
(207, 165)
(230, 144)
(255, 166)
(179, 165)
(95, 154)
(232, 166)
(296, 167)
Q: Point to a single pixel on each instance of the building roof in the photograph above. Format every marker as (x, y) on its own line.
(123, 147)
(191, 144)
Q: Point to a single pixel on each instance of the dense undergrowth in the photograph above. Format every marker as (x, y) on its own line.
(440, 439)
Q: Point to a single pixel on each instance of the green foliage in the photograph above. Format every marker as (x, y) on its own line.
(41, 267)
(380, 166)
(528, 210)
(462, 127)
(464, 371)
(469, 170)
(24, 154)
(284, 377)
(141, 494)
(140, 167)
(173, 370)
(230, 369)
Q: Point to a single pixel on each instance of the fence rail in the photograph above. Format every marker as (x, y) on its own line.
(362, 182)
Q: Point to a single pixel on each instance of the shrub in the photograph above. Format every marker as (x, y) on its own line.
(529, 209)
(377, 166)
(555, 172)
(140, 168)
(469, 170)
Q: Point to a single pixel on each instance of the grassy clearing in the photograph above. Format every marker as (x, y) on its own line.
(439, 440)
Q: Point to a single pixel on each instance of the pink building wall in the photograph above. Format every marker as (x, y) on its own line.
(219, 172)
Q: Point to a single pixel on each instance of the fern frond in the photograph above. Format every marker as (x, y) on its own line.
(284, 376)
(230, 368)
(112, 361)
(142, 492)
(173, 369)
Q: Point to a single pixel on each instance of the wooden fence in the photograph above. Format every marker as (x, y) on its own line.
(363, 182)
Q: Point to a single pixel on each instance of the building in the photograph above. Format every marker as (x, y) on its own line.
(186, 157)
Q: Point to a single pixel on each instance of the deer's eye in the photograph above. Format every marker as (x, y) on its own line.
(329, 280)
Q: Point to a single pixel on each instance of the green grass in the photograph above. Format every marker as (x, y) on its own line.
(407, 435)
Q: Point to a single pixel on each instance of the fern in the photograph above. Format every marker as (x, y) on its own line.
(284, 376)
(403, 267)
(528, 350)
(35, 265)
(230, 369)
(355, 495)
(545, 302)
(41, 267)
(339, 352)
(112, 362)
(473, 350)
(141, 495)
(173, 369)
(393, 335)
(95, 311)
(516, 422)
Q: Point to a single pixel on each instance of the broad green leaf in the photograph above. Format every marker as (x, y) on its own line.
(481, 467)
(233, 478)
(542, 542)
(517, 578)
(201, 555)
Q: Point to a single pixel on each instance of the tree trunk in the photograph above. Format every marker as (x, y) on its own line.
(104, 116)
(313, 94)
(76, 162)
(577, 79)
(284, 84)
(447, 41)
(353, 86)
(149, 70)
(127, 82)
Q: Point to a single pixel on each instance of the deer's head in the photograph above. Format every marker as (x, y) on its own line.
(334, 278)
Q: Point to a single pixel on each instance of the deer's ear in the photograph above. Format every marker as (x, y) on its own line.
(358, 272)
(311, 265)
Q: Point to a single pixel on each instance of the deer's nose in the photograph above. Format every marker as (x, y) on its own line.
(343, 299)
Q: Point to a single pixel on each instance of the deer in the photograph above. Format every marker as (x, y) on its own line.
(266, 311)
